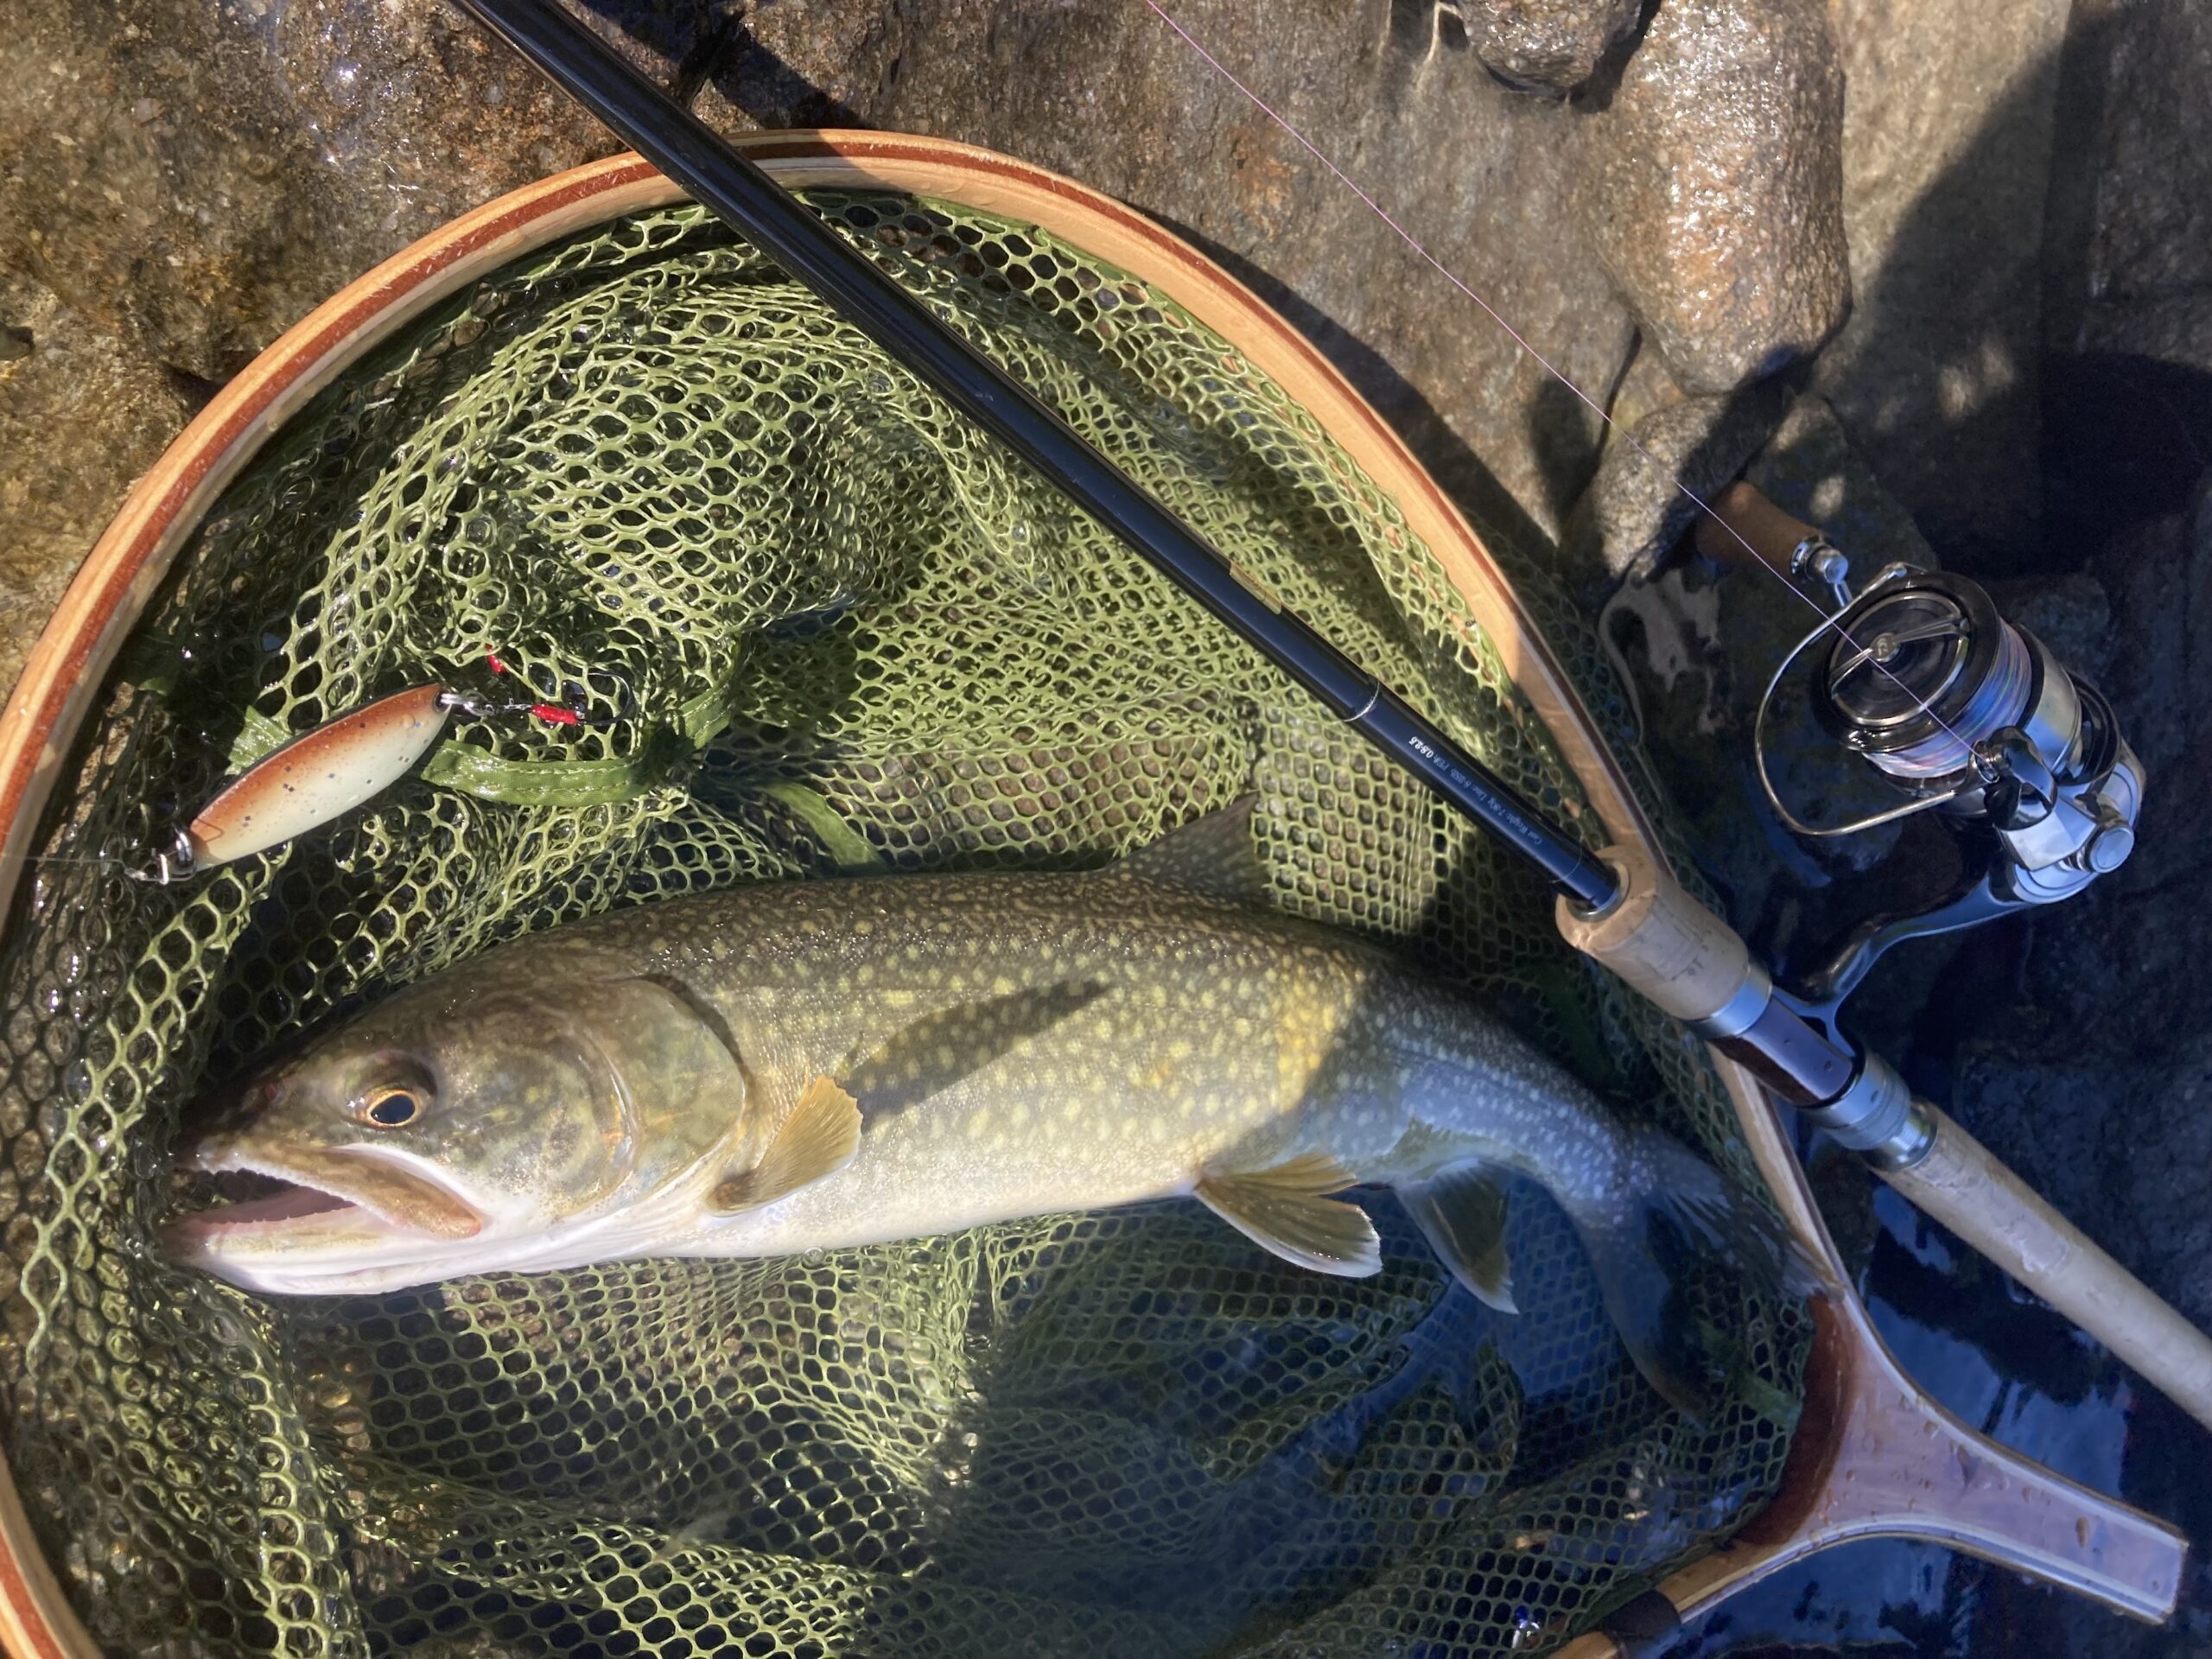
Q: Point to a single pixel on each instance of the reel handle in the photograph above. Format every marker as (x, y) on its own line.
(1671, 949)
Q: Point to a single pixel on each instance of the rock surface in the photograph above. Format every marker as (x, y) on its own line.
(1106, 93)
(2152, 228)
(1710, 187)
(81, 416)
(2128, 259)
(195, 178)
(1948, 122)
(1554, 45)
(1639, 505)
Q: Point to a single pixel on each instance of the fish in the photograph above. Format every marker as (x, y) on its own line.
(789, 1067)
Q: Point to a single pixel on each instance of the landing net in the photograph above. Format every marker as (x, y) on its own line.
(820, 624)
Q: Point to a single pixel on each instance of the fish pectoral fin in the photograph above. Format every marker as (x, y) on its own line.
(1287, 1210)
(819, 1139)
(1462, 1214)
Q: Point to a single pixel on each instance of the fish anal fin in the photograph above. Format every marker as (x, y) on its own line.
(1213, 856)
(1287, 1210)
(1462, 1214)
(818, 1138)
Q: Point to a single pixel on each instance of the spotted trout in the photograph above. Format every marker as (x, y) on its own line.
(776, 1068)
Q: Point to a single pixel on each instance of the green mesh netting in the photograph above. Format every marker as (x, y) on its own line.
(824, 622)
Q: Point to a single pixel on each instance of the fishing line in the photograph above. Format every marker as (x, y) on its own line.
(1549, 366)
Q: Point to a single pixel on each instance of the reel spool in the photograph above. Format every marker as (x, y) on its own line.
(1952, 709)
(1966, 711)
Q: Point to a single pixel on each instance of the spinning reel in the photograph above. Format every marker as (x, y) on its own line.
(1955, 710)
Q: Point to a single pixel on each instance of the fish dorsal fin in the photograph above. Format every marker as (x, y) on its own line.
(1287, 1210)
(817, 1138)
(1462, 1214)
(1213, 855)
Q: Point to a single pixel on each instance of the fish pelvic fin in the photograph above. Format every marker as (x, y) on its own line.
(817, 1138)
(1675, 1209)
(1462, 1214)
(1213, 856)
(1287, 1210)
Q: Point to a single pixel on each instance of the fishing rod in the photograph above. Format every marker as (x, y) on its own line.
(1618, 905)
(1615, 906)
(769, 217)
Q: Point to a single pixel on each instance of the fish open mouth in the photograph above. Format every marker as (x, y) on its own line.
(245, 1201)
(241, 1204)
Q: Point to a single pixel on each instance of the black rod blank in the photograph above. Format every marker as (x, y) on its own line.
(745, 198)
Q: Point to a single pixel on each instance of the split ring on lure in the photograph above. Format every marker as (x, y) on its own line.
(329, 770)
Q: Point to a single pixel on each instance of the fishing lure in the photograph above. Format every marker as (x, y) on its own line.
(329, 770)
(316, 777)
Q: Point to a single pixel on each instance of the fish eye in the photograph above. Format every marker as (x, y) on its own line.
(393, 1105)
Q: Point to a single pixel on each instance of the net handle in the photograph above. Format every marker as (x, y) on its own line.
(1875, 1457)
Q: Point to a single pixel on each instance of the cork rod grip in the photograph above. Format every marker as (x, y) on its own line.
(1959, 1183)
(1671, 949)
(1665, 945)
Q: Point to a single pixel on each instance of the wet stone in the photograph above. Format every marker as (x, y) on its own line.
(1640, 504)
(1106, 93)
(2158, 575)
(1710, 188)
(1550, 46)
(81, 416)
(2071, 614)
(1948, 130)
(196, 179)
(2151, 222)
(2174, 328)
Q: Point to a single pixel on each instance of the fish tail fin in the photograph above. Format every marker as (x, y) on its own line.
(1673, 1212)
